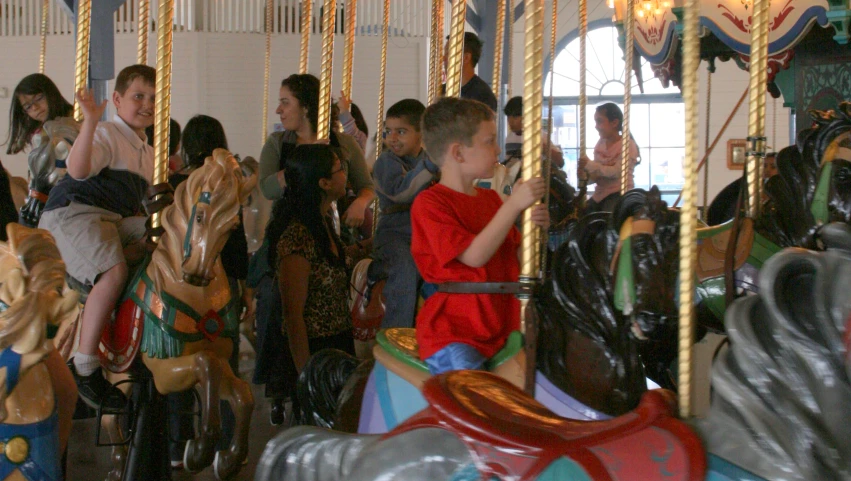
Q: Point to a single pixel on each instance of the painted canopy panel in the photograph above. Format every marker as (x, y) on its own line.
(730, 21)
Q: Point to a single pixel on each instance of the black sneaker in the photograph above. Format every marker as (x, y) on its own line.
(97, 392)
(277, 413)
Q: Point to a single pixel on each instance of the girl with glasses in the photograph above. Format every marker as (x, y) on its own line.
(35, 101)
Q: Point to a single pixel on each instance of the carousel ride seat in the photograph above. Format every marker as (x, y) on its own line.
(712, 248)
(500, 422)
(400, 343)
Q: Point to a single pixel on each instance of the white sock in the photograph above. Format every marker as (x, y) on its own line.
(86, 364)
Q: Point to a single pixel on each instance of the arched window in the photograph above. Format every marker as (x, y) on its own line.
(657, 116)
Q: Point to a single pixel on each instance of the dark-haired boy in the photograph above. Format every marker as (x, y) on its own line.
(466, 234)
(93, 213)
(400, 173)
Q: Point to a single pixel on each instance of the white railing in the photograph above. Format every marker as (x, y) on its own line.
(408, 18)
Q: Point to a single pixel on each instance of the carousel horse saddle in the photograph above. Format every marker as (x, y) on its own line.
(401, 345)
(712, 248)
(515, 436)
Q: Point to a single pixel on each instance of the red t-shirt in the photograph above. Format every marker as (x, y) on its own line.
(444, 223)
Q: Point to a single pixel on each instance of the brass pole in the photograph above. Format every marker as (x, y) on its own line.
(456, 48)
(629, 28)
(756, 103)
(306, 24)
(583, 101)
(435, 54)
(162, 112)
(509, 57)
(142, 30)
(379, 117)
(349, 48)
(45, 12)
(688, 213)
(497, 47)
(81, 67)
(532, 105)
(267, 66)
(323, 128)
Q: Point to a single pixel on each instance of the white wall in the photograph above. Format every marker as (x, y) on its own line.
(221, 75)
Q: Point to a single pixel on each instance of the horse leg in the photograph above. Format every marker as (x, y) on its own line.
(201, 450)
(238, 394)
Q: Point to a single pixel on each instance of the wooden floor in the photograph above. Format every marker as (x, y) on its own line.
(89, 463)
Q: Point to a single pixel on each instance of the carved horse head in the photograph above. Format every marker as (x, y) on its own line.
(33, 295)
(205, 211)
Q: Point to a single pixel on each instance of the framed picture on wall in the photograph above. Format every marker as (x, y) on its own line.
(736, 153)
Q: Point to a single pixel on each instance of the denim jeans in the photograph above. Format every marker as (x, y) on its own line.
(393, 250)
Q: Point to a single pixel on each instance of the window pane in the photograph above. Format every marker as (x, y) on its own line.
(671, 121)
(639, 125)
(641, 175)
(666, 167)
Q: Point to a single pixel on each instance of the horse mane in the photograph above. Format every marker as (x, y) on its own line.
(578, 297)
(219, 176)
(32, 286)
(780, 404)
(786, 218)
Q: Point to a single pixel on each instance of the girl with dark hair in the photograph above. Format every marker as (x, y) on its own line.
(298, 109)
(35, 101)
(309, 257)
(605, 169)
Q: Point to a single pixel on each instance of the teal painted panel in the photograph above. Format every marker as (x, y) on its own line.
(564, 469)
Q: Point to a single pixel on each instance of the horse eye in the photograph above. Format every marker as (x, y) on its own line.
(199, 218)
(843, 176)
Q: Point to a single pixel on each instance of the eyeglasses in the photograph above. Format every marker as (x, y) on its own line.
(29, 105)
(341, 169)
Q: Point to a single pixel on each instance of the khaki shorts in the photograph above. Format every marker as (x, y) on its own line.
(90, 239)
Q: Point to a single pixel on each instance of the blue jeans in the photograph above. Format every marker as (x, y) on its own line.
(393, 250)
(455, 356)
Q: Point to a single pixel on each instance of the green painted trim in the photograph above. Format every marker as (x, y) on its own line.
(820, 198)
(513, 345)
(625, 278)
(785, 81)
(381, 339)
(762, 250)
(707, 232)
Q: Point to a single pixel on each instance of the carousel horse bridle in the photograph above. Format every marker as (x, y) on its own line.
(203, 198)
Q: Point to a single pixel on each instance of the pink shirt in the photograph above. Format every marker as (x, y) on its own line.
(605, 169)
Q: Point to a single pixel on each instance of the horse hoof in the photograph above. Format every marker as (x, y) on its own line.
(225, 466)
(196, 457)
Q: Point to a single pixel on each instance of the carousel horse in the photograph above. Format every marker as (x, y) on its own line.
(589, 358)
(178, 310)
(33, 300)
(780, 405)
(51, 146)
(812, 188)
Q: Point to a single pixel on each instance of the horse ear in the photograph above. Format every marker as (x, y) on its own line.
(248, 167)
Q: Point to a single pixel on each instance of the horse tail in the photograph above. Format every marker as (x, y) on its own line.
(320, 384)
(307, 453)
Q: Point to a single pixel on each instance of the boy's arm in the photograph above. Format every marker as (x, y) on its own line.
(486, 243)
(392, 181)
(351, 128)
(79, 162)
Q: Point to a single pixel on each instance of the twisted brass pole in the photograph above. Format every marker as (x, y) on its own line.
(435, 54)
(329, 17)
(264, 129)
(379, 120)
(497, 47)
(456, 48)
(45, 12)
(532, 106)
(629, 29)
(583, 100)
(142, 30)
(306, 23)
(510, 55)
(81, 67)
(349, 48)
(756, 103)
(688, 214)
(162, 111)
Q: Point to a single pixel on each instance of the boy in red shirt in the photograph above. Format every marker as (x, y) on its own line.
(462, 233)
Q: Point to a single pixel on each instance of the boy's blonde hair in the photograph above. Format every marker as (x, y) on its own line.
(129, 74)
(452, 120)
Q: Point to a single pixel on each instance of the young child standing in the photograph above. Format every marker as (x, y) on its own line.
(93, 213)
(462, 233)
(400, 173)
